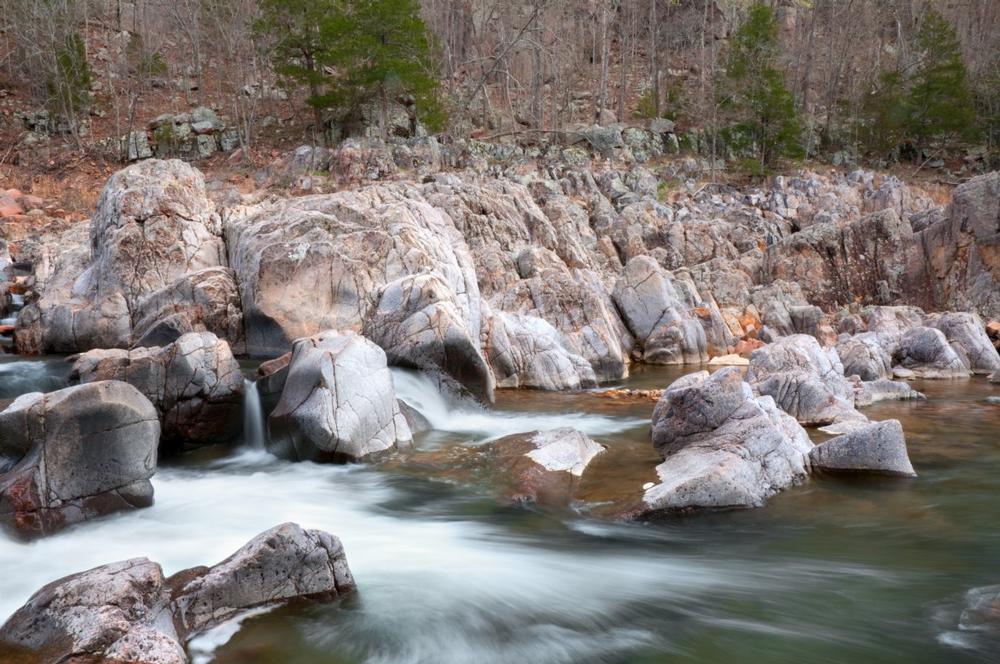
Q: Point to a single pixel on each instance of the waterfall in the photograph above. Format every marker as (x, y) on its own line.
(459, 416)
(254, 436)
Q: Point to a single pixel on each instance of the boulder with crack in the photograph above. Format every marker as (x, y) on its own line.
(129, 612)
(806, 381)
(657, 318)
(75, 454)
(338, 402)
(195, 383)
(723, 448)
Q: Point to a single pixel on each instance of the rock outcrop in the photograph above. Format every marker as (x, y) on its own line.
(154, 224)
(966, 333)
(194, 382)
(723, 447)
(75, 454)
(129, 612)
(878, 447)
(338, 402)
(543, 467)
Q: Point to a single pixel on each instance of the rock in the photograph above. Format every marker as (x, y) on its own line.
(967, 335)
(9, 206)
(995, 376)
(128, 611)
(723, 448)
(805, 381)
(862, 355)
(981, 612)
(525, 351)
(204, 301)
(338, 402)
(652, 311)
(75, 454)
(154, 224)
(195, 383)
(878, 447)
(543, 467)
(925, 351)
(730, 360)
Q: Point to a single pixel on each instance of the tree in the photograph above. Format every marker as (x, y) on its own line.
(383, 52)
(939, 103)
(883, 115)
(756, 90)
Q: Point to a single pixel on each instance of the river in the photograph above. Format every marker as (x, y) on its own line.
(832, 571)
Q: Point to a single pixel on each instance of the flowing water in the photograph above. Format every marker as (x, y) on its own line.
(254, 436)
(832, 571)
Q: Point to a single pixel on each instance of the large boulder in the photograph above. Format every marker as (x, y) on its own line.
(878, 447)
(863, 355)
(154, 224)
(128, 612)
(338, 402)
(75, 454)
(723, 448)
(543, 467)
(656, 317)
(966, 333)
(195, 383)
(525, 351)
(377, 259)
(806, 381)
(926, 352)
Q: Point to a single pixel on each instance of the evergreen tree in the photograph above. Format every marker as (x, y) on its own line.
(939, 103)
(883, 115)
(756, 88)
(299, 46)
(385, 53)
(349, 53)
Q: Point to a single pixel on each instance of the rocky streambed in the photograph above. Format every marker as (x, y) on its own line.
(551, 415)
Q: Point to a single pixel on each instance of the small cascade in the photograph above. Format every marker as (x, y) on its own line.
(254, 435)
(8, 319)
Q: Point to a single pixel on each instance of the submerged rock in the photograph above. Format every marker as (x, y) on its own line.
(878, 447)
(76, 454)
(195, 383)
(925, 351)
(723, 448)
(338, 402)
(543, 467)
(128, 612)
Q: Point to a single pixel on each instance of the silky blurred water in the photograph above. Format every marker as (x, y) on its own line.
(833, 571)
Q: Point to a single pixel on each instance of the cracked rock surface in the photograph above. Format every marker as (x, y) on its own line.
(128, 612)
(75, 454)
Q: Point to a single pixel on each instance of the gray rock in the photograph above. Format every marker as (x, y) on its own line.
(878, 447)
(805, 381)
(195, 383)
(883, 389)
(925, 351)
(75, 454)
(658, 320)
(338, 402)
(723, 447)
(966, 333)
(862, 355)
(128, 612)
(525, 351)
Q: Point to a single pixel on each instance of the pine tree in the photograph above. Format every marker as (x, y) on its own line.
(350, 53)
(385, 53)
(883, 115)
(939, 103)
(299, 46)
(756, 88)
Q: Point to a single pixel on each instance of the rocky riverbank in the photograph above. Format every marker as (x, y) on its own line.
(835, 291)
